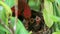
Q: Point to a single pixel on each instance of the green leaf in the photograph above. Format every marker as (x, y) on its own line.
(57, 1)
(52, 0)
(34, 5)
(3, 29)
(10, 3)
(20, 29)
(57, 32)
(5, 12)
(48, 10)
(55, 18)
(56, 9)
(2, 32)
(57, 12)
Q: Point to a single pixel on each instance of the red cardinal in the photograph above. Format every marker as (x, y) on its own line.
(23, 8)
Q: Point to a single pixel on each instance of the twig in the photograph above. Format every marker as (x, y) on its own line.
(16, 14)
(6, 27)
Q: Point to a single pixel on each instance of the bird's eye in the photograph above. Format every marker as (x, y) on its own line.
(38, 18)
(32, 20)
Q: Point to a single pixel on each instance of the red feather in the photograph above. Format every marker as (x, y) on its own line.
(23, 5)
(27, 11)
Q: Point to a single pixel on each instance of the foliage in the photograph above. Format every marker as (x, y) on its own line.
(5, 15)
(34, 5)
(20, 29)
(51, 15)
(57, 32)
(10, 3)
(48, 10)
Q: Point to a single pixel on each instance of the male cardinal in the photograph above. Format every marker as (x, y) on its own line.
(23, 9)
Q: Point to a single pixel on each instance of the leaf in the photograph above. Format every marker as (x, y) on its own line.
(52, 0)
(34, 5)
(10, 3)
(5, 13)
(3, 29)
(55, 18)
(48, 10)
(57, 1)
(2, 32)
(57, 12)
(56, 9)
(56, 32)
(20, 29)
